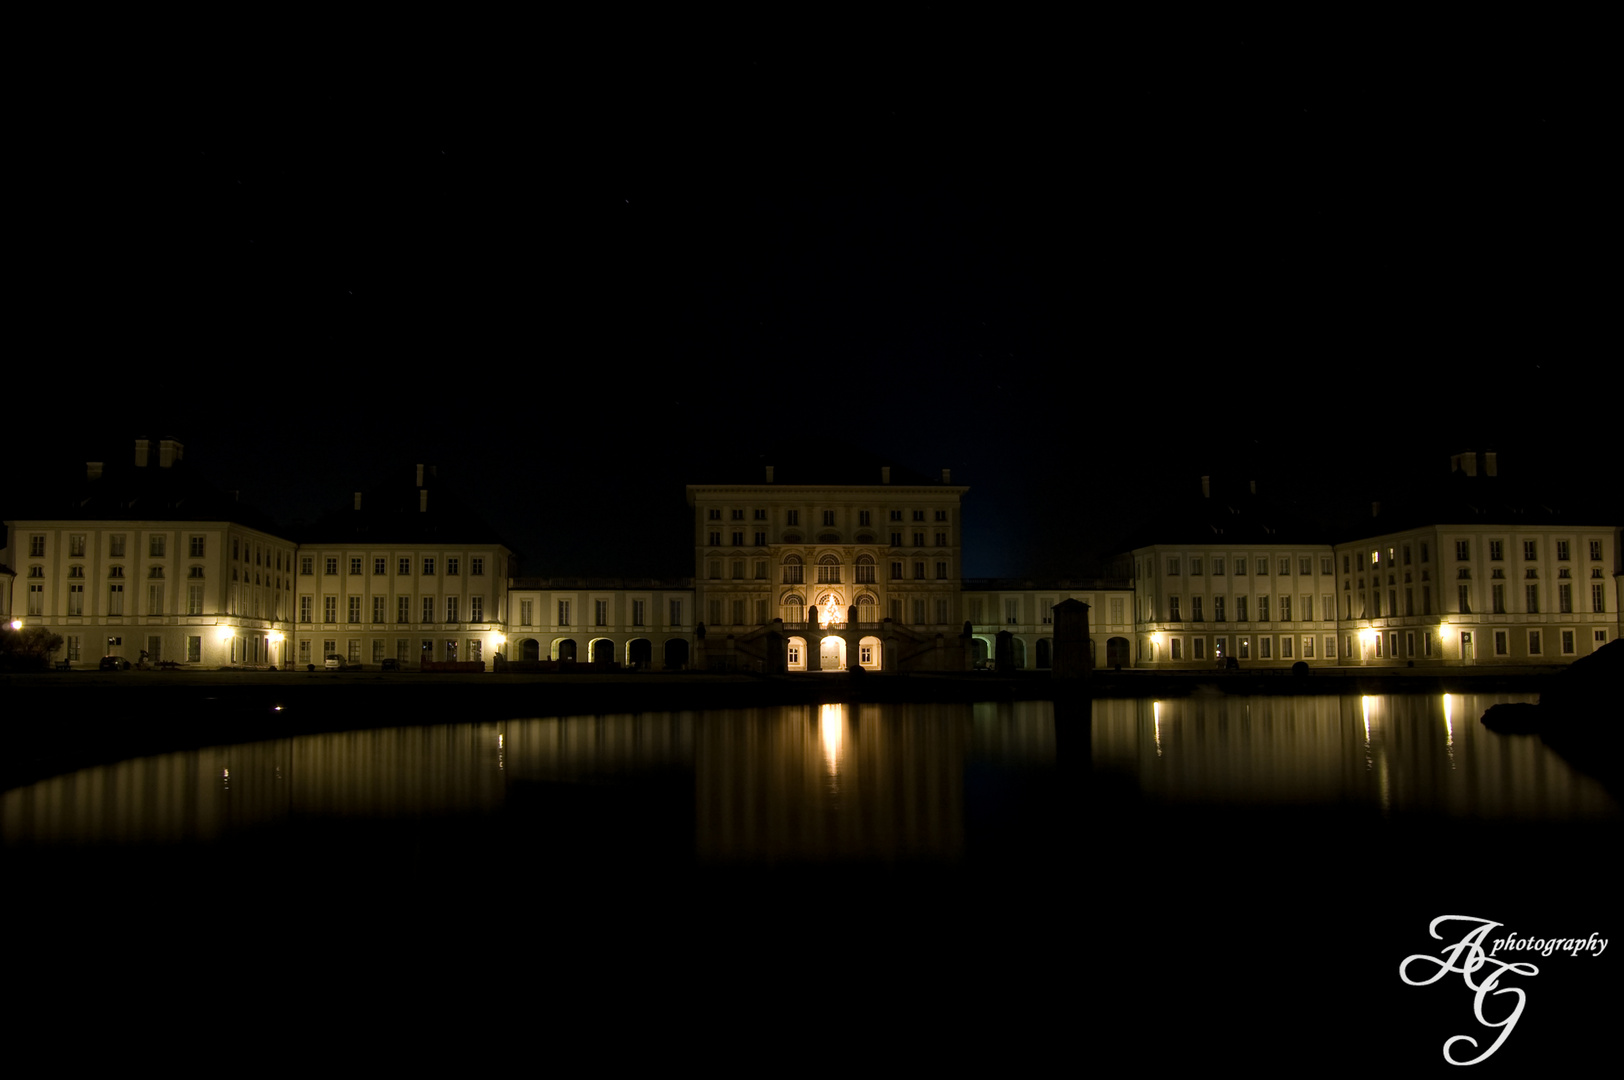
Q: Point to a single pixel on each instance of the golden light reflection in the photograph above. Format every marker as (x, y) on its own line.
(1449, 729)
(1156, 714)
(830, 725)
(1365, 704)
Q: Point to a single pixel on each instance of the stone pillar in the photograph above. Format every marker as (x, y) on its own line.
(1004, 653)
(773, 660)
(1071, 659)
(814, 650)
(701, 657)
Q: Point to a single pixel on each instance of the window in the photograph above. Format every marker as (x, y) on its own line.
(155, 546)
(638, 607)
(1285, 648)
(896, 569)
(1262, 567)
(1246, 648)
(476, 609)
(1172, 564)
(331, 565)
(1308, 648)
(403, 566)
(676, 613)
(738, 515)
(76, 600)
(714, 539)
(1598, 597)
(1564, 599)
(155, 571)
(792, 517)
(1012, 611)
(1463, 549)
(428, 565)
(941, 515)
(115, 600)
(1218, 566)
(451, 612)
(1240, 608)
(794, 656)
(1531, 597)
(919, 515)
(194, 599)
(305, 604)
(329, 609)
(1285, 565)
(1595, 549)
(1495, 552)
(192, 572)
(1465, 600)
(1217, 608)
(563, 613)
(896, 515)
(1500, 646)
(428, 609)
(714, 567)
(1195, 609)
(380, 565)
(378, 609)
(36, 571)
(1178, 649)
(792, 570)
(865, 569)
(919, 539)
(1195, 565)
(355, 565)
(863, 517)
(941, 571)
(476, 566)
(403, 609)
(1533, 643)
(738, 569)
(307, 564)
(761, 539)
(941, 539)
(115, 571)
(1263, 608)
(828, 517)
(115, 546)
(1530, 550)
(919, 571)
(600, 613)
(1567, 643)
(759, 515)
(738, 539)
(1173, 608)
(896, 539)
(194, 547)
(1285, 609)
(355, 609)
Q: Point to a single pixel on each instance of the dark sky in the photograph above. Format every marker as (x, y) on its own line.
(1080, 279)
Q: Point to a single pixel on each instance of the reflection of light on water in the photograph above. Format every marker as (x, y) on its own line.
(1383, 780)
(1156, 713)
(1364, 704)
(1449, 729)
(829, 723)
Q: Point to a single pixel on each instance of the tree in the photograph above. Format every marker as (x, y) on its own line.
(28, 649)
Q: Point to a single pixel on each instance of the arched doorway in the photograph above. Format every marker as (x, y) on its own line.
(1020, 652)
(564, 649)
(1045, 650)
(1116, 652)
(529, 649)
(832, 652)
(795, 654)
(676, 653)
(869, 653)
(980, 651)
(640, 653)
(603, 651)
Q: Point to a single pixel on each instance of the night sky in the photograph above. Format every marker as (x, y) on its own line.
(1079, 279)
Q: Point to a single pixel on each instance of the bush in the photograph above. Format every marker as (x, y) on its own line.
(28, 649)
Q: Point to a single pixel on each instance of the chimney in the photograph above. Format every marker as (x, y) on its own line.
(1253, 484)
(947, 476)
(141, 453)
(420, 476)
(769, 474)
(1464, 462)
(885, 474)
(169, 452)
(423, 501)
(358, 500)
(1490, 463)
(1375, 509)
(93, 470)
(1206, 487)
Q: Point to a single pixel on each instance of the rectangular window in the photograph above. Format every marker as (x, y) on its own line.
(1012, 611)
(1265, 648)
(941, 612)
(1240, 608)
(1262, 567)
(1217, 608)
(1173, 608)
(676, 612)
(194, 650)
(1530, 550)
(1178, 649)
(377, 650)
(76, 599)
(919, 571)
(1195, 609)
(1285, 609)
(305, 605)
(1567, 643)
(1463, 549)
(380, 565)
(526, 611)
(304, 650)
(428, 565)
(476, 609)
(453, 565)
(1500, 646)
(194, 599)
(919, 515)
(155, 545)
(476, 566)
(1465, 600)
(115, 546)
(1308, 648)
(941, 571)
(379, 609)
(1496, 552)
(792, 517)
(403, 609)
(428, 609)
(1595, 550)
(1533, 643)
(1285, 648)
(918, 609)
(1246, 648)
(1172, 564)
(1218, 566)
(355, 609)
(1598, 597)
(738, 613)
(600, 613)
(36, 599)
(1263, 609)
(563, 613)
(638, 608)
(115, 599)
(1531, 598)
(451, 612)
(330, 565)
(1195, 565)
(355, 565)
(829, 517)
(329, 609)
(403, 566)
(307, 564)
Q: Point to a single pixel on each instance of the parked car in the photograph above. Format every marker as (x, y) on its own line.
(114, 663)
(335, 662)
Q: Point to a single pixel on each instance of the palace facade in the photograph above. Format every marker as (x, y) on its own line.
(793, 576)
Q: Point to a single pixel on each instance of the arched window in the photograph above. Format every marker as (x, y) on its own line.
(828, 570)
(867, 610)
(792, 570)
(793, 609)
(865, 570)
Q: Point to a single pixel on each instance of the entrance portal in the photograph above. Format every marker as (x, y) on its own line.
(832, 653)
